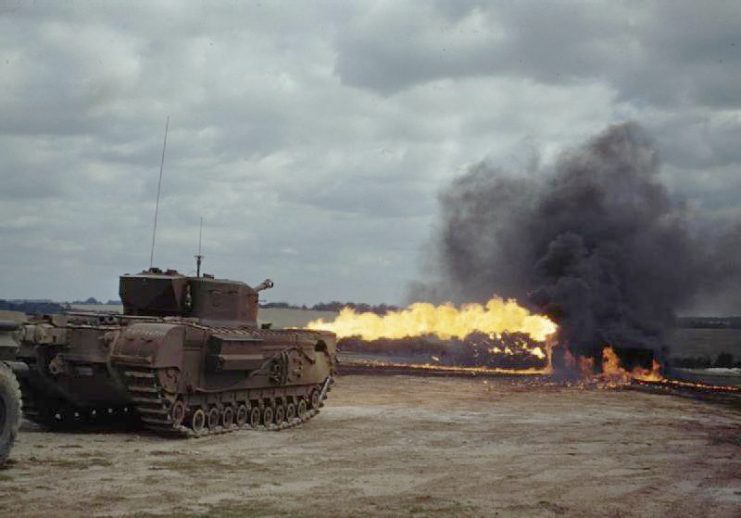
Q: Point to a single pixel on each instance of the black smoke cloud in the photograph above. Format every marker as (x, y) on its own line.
(596, 242)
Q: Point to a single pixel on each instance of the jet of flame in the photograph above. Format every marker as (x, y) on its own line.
(445, 321)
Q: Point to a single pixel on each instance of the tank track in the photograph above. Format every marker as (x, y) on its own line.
(220, 412)
(55, 413)
(153, 406)
(31, 403)
(38, 408)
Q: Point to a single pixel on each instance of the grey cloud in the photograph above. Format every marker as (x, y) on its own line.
(697, 140)
(280, 140)
(665, 53)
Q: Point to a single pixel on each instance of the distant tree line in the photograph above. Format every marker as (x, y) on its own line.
(709, 323)
(725, 360)
(33, 307)
(94, 301)
(379, 309)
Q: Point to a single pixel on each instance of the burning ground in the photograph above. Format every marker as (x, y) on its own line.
(497, 335)
(498, 338)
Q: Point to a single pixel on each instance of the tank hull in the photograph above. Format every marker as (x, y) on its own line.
(172, 374)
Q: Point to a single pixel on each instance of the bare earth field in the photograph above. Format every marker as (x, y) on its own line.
(390, 446)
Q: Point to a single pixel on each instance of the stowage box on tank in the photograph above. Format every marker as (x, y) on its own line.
(186, 356)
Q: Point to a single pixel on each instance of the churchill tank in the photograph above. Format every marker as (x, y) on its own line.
(186, 357)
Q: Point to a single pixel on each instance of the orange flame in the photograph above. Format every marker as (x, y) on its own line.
(611, 367)
(612, 375)
(613, 372)
(445, 321)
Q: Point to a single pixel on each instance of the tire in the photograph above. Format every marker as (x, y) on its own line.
(10, 411)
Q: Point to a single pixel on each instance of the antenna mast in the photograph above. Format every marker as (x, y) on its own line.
(159, 188)
(199, 257)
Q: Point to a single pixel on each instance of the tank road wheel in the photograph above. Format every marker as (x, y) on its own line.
(227, 417)
(55, 418)
(255, 417)
(214, 418)
(198, 420)
(10, 411)
(268, 416)
(242, 414)
(177, 413)
(280, 414)
(79, 415)
(290, 412)
(301, 409)
(63, 417)
(315, 399)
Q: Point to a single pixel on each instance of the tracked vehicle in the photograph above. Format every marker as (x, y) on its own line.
(186, 357)
(10, 395)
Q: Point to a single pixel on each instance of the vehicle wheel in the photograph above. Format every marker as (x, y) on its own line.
(214, 418)
(280, 414)
(301, 409)
(57, 417)
(227, 417)
(290, 412)
(255, 417)
(242, 414)
(268, 416)
(177, 413)
(10, 410)
(198, 420)
(315, 399)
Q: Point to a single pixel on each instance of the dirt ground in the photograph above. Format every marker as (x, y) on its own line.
(390, 446)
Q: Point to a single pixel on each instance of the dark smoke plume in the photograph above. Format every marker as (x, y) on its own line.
(596, 243)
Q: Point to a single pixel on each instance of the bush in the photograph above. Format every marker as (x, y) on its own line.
(724, 360)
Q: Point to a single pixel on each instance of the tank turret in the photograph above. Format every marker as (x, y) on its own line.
(166, 293)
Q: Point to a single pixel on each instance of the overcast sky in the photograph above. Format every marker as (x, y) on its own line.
(313, 137)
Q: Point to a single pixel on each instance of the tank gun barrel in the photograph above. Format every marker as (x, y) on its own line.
(264, 285)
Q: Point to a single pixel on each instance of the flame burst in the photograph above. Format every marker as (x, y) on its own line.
(612, 370)
(445, 322)
(613, 374)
